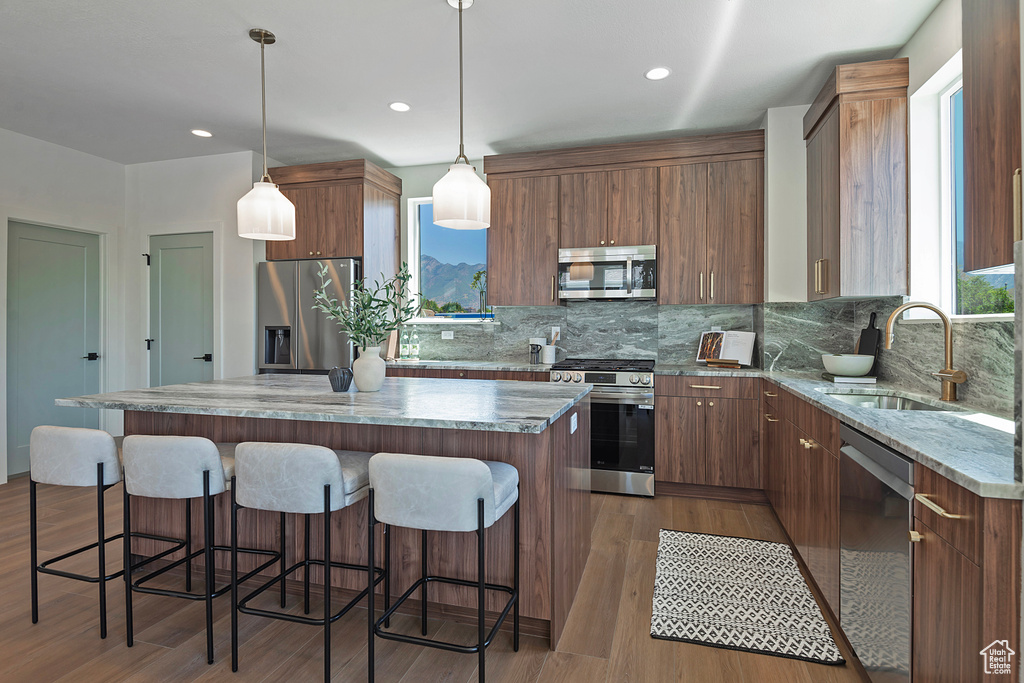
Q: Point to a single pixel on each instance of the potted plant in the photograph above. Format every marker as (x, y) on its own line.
(368, 318)
(479, 283)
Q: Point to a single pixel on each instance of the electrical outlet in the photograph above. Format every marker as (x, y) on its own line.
(447, 334)
(716, 328)
(556, 333)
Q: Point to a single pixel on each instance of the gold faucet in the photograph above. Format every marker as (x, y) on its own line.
(950, 377)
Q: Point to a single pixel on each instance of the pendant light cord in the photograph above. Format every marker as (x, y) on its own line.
(462, 115)
(263, 87)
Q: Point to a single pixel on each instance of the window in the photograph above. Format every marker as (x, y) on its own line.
(448, 267)
(980, 292)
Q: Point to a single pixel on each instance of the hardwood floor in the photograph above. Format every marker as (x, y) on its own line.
(606, 638)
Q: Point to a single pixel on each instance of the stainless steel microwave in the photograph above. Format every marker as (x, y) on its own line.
(607, 273)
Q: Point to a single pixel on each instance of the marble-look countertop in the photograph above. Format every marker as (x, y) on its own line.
(969, 447)
(477, 405)
(509, 366)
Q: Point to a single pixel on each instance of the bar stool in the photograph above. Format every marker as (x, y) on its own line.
(296, 479)
(72, 456)
(442, 494)
(179, 467)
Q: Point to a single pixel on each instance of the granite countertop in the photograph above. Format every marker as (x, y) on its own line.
(508, 366)
(477, 405)
(971, 448)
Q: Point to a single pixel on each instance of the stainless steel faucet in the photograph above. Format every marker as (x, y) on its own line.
(950, 377)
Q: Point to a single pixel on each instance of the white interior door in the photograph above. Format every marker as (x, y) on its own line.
(181, 308)
(53, 310)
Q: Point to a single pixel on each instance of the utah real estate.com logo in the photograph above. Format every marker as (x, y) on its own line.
(998, 657)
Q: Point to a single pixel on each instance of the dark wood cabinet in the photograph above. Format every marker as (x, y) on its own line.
(735, 232)
(608, 208)
(682, 234)
(705, 439)
(946, 590)
(345, 209)
(711, 233)
(652, 192)
(856, 133)
(992, 151)
(522, 242)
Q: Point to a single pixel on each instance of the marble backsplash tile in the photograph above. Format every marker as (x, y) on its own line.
(679, 329)
(469, 341)
(797, 334)
(611, 329)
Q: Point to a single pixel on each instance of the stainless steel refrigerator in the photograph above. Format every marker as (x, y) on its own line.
(293, 336)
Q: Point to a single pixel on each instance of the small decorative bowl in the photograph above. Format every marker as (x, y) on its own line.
(848, 364)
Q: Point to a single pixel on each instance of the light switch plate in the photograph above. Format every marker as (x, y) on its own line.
(573, 423)
(447, 334)
(556, 333)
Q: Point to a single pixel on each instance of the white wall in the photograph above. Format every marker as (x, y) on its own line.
(935, 42)
(785, 204)
(51, 185)
(197, 194)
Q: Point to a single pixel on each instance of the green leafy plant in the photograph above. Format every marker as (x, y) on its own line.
(479, 282)
(975, 295)
(370, 315)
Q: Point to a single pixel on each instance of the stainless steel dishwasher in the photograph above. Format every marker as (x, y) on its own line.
(876, 487)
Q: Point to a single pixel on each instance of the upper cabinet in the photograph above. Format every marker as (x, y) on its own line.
(856, 133)
(608, 208)
(344, 209)
(991, 129)
(699, 200)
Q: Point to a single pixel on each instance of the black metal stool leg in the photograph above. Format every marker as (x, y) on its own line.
(515, 578)
(33, 544)
(188, 544)
(127, 517)
(101, 547)
(208, 558)
(234, 578)
(283, 595)
(480, 581)
(371, 618)
(327, 583)
(423, 589)
(305, 570)
(387, 573)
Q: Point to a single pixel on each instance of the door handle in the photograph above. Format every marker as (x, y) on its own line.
(935, 507)
(770, 418)
(208, 357)
(702, 285)
(91, 356)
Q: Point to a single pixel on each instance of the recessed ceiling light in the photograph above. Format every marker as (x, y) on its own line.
(658, 73)
(200, 133)
(399, 106)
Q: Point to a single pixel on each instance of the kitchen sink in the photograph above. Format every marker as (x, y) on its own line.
(885, 402)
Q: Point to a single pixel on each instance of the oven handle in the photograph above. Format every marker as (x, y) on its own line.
(629, 398)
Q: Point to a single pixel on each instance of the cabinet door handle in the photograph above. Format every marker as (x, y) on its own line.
(704, 386)
(310, 253)
(935, 507)
(552, 287)
(712, 285)
(711, 404)
(770, 418)
(699, 403)
(915, 536)
(817, 276)
(611, 242)
(807, 443)
(824, 276)
(602, 242)
(770, 394)
(702, 285)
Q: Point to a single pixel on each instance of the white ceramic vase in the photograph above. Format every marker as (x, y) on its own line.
(368, 370)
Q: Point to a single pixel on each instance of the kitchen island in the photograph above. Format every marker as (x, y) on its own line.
(542, 429)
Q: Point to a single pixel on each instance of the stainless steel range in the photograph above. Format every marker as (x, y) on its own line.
(622, 421)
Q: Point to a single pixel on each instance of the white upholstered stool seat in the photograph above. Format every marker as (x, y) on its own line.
(433, 493)
(71, 456)
(296, 479)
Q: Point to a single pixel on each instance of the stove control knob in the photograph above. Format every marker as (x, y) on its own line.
(645, 380)
(577, 377)
(634, 379)
(556, 377)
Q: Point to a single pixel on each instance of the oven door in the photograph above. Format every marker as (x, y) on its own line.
(622, 441)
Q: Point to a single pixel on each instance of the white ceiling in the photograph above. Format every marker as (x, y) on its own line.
(127, 79)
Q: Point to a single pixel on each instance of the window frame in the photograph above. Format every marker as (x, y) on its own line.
(947, 194)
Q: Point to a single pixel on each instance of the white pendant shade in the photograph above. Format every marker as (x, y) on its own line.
(266, 214)
(462, 200)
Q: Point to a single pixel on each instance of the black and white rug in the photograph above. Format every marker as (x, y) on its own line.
(740, 594)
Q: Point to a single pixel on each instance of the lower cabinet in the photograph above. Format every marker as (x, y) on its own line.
(707, 440)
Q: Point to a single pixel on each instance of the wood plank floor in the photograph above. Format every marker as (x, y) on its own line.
(606, 637)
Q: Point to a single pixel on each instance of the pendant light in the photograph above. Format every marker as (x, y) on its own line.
(264, 213)
(462, 199)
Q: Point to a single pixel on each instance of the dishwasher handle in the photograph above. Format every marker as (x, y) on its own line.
(878, 472)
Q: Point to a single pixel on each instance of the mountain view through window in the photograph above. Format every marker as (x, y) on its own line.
(449, 261)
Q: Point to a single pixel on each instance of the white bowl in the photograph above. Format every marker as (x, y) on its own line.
(848, 364)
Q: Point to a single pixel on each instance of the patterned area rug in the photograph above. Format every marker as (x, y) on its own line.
(740, 594)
